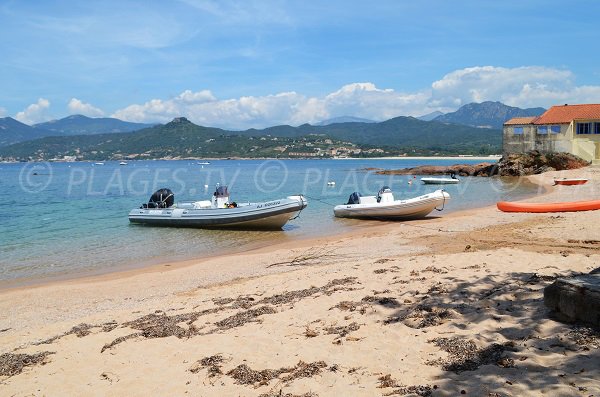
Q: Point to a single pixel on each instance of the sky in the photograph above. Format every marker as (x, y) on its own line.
(254, 64)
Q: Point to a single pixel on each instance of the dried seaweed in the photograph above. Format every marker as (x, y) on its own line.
(119, 340)
(305, 370)
(422, 316)
(383, 301)
(242, 318)
(419, 390)
(213, 363)
(343, 330)
(280, 394)
(464, 355)
(585, 337)
(80, 330)
(13, 364)
(245, 375)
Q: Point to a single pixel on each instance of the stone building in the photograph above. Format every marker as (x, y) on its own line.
(566, 128)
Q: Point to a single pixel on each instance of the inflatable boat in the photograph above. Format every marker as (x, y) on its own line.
(384, 206)
(219, 212)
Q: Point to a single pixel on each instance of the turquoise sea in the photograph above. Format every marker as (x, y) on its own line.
(70, 219)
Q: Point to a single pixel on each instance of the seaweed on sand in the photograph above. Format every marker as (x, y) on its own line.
(159, 325)
(464, 355)
(213, 363)
(13, 363)
(344, 330)
(80, 331)
(245, 375)
(386, 381)
(242, 318)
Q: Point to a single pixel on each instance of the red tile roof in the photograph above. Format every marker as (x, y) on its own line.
(520, 120)
(564, 114)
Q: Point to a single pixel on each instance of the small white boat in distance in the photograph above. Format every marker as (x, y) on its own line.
(331, 183)
(203, 162)
(439, 181)
(383, 206)
(218, 212)
(123, 163)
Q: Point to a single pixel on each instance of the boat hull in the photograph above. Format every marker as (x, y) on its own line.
(439, 181)
(570, 182)
(415, 208)
(270, 215)
(572, 206)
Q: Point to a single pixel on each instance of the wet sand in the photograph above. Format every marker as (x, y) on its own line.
(450, 305)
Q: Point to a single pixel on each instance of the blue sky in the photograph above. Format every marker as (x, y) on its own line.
(241, 64)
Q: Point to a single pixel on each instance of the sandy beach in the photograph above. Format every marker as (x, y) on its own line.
(446, 306)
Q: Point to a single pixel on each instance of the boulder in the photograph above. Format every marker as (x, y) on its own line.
(576, 298)
(536, 162)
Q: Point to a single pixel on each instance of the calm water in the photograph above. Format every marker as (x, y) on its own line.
(69, 218)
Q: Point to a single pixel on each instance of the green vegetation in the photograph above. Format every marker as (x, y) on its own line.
(183, 139)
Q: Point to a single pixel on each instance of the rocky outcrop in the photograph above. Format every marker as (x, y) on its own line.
(481, 169)
(535, 162)
(514, 164)
(576, 298)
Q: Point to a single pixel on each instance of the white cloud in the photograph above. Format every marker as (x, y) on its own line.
(527, 86)
(76, 106)
(35, 113)
(2, 112)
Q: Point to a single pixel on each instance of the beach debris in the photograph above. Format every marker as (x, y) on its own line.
(383, 301)
(585, 337)
(244, 375)
(310, 333)
(239, 319)
(434, 269)
(422, 316)
(110, 377)
(213, 363)
(13, 363)
(281, 394)
(343, 330)
(119, 340)
(387, 381)
(311, 256)
(464, 355)
(80, 330)
(243, 302)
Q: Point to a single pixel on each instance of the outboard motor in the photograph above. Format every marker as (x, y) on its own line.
(354, 198)
(162, 198)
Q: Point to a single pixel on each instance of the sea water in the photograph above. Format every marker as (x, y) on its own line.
(69, 219)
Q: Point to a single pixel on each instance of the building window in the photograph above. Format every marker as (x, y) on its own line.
(518, 130)
(584, 128)
(542, 129)
(555, 129)
(596, 128)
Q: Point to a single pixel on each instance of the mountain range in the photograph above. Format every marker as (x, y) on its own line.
(486, 114)
(459, 132)
(13, 131)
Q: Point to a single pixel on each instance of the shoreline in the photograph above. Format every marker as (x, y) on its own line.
(364, 313)
(457, 157)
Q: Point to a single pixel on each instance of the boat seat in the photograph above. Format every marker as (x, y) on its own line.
(368, 200)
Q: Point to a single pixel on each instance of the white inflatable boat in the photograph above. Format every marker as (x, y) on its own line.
(383, 206)
(218, 212)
